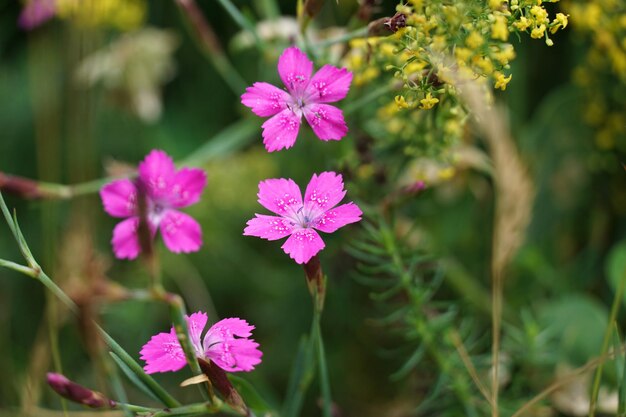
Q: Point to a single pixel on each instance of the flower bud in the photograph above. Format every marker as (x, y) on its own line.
(77, 393)
(220, 381)
(387, 25)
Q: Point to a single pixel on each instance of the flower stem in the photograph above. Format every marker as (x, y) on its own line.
(208, 43)
(230, 139)
(35, 271)
(359, 33)
(243, 22)
(316, 282)
(323, 369)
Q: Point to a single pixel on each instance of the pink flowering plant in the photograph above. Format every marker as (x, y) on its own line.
(226, 343)
(299, 218)
(165, 190)
(306, 94)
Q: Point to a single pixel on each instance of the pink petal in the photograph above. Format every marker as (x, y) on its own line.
(35, 13)
(228, 352)
(119, 198)
(281, 196)
(227, 329)
(268, 227)
(326, 121)
(236, 355)
(280, 131)
(303, 244)
(324, 192)
(265, 100)
(294, 69)
(125, 239)
(181, 233)
(156, 173)
(338, 217)
(187, 187)
(195, 325)
(163, 353)
(328, 84)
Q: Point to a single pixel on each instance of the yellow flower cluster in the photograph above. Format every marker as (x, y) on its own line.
(121, 14)
(602, 73)
(531, 15)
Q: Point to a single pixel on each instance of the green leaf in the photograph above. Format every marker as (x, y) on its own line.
(577, 324)
(410, 364)
(156, 389)
(132, 377)
(300, 378)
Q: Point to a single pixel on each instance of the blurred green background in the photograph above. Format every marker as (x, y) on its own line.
(59, 128)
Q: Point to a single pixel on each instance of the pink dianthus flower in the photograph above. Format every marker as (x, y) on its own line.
(298, 219)
(36, 12)
(226, 343)
(165, 190)
(305, 96)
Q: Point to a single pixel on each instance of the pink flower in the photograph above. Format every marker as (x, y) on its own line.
(226, 343)
(36, 12)
(305, 95)
(298, 219)
(166, 190)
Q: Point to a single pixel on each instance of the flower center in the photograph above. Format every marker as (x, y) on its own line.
(303, 217)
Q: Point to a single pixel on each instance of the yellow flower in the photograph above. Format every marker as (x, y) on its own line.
(474, 40)
(462, 54)
(495, 4)
(123, 14)
(562, 19)
(505, 54)
(499, 29)
(387, 49)
(446, 173)
(540, 14)
(537, 32)
(522, 24)
(428, 102)
(415, 67)
(502, 81)
(401, 102)
(483, 63)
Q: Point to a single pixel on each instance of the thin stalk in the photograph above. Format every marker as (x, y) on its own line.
(496, 314)
(323, 369)
(224, 143)
(471, 370)
(18, 268)
(243, 22)
(368, 98)
(207, 41)
(575, 374)
(150, 383)
(617, 300)
(359, 33)
(36, 272)
(300, 378)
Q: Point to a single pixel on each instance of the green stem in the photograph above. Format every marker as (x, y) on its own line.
(323, 368)
(243, 22)
(206, 40)
(368, 98)
(149, 382)
(617, 300)
(226, 142)
(18, 268)
(359, 33)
